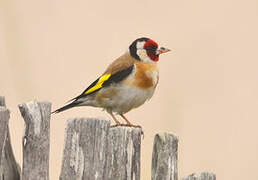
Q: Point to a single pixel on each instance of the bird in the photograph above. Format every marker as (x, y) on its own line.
(127, 83)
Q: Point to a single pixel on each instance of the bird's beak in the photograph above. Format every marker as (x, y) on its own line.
(162, 50)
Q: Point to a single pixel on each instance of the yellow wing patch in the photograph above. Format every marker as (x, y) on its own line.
(98, 85)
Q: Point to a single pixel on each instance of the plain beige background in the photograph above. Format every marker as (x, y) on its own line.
(207, 95)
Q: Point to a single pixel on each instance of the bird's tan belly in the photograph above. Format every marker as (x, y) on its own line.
(123, 99)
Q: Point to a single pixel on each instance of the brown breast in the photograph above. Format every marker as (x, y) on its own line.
(145, 75)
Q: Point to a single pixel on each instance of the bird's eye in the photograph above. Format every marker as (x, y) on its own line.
(151, 48)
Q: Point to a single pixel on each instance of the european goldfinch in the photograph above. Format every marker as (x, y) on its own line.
(127, 82)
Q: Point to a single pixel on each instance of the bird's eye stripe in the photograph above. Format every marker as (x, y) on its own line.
(151, 48)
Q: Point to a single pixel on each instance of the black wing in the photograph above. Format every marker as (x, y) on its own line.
(103, 81)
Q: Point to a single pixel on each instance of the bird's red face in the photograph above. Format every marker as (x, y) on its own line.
(147, 50)
(151, 47)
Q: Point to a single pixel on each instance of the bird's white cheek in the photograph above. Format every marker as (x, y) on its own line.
(140, 45)
(143, 55)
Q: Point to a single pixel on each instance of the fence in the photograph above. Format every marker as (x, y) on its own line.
(92, 151)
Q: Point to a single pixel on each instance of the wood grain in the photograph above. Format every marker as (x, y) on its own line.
(36, 140)
(164, 157)
(84, 154)
(123, 156)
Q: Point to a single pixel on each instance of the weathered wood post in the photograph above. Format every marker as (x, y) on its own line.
(92, 150)
(84, 154)
(123, 156)
(202, 176)
(9, 169)
(36, 140)
(2, 101)
(4, 119)
(164, 157)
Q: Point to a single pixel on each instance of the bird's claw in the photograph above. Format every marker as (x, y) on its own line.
(116, 125)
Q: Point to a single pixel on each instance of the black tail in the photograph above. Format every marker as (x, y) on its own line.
(68, 106)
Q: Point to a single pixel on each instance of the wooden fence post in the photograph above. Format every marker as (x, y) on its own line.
(92, 150)
(9, 168)
(2, 101)
(36, 140)
(202, 176)
(164, 157)
(4, 119)
(84, 154)
(123, 156)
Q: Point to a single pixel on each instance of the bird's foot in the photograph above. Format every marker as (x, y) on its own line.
(116, 125)
(128, 125)
(131, 125)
